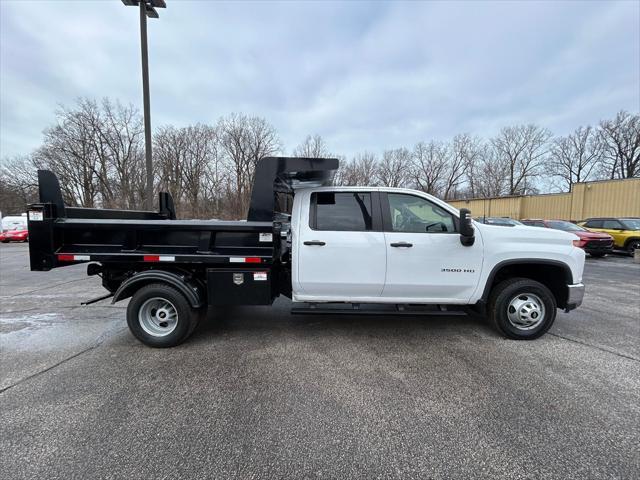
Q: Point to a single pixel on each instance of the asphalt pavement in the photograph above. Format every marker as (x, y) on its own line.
(259, 393)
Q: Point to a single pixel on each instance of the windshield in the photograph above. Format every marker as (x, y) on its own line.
(566, 226)
(631, 223)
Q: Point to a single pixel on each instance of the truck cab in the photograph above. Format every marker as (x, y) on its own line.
(391, 245)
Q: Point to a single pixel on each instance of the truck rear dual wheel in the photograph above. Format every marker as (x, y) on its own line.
(522, 309)
(160, 316)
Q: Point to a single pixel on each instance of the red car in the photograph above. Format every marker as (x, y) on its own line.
(597, 244)
(14, 236)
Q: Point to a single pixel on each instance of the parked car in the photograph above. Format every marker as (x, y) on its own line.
(625, 231)
(500, 221)
(14, 222)
(14, 236)
(594, 243)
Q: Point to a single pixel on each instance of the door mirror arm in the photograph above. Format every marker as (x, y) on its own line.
(467, 234)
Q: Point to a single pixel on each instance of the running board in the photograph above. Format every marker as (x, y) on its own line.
(376, 309)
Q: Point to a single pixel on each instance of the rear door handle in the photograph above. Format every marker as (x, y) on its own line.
(315, 242)
(402, 244)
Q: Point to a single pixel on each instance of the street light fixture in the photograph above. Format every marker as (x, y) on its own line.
(147, 9)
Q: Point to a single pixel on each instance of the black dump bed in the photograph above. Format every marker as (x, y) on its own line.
(60, 235)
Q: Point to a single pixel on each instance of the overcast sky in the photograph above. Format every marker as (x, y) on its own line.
(363, 75)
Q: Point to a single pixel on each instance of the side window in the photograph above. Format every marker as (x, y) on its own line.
(594, 224)
(341, 211)
(612, 224)
(417, 215)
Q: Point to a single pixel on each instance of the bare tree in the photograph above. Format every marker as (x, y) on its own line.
(573, 158)
(96, 150)
(395, 168)
(522, 149)
(201, 151)
(429, 161)
(312, 147)
(244, 141)
(214, 184)
(492, 173)
(365, 165)
(170, 152)
(69, 149)
(343, 173)
(464, 151)
(119, 143)
(18, 185)
(190, 168)
(621, 143)
(472, 150)
(361, 170)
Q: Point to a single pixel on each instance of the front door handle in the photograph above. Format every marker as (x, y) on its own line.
(315, 242)
(402, 244)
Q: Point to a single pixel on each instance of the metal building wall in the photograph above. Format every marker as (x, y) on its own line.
(608, 198)
(547, 206)
(615, 198)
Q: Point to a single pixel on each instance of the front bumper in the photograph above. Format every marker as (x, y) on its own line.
(598, 246)
(575, 294)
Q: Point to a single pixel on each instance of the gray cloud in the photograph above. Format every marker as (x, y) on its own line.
(364, 75)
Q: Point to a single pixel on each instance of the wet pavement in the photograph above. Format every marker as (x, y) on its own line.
(258, 393)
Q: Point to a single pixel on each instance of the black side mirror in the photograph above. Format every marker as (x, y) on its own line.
(467, 236)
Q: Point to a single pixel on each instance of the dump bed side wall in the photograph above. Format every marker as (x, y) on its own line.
(62, 241)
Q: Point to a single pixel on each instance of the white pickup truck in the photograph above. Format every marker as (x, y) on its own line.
(338, 250)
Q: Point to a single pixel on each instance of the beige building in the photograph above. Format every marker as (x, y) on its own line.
(606, 198)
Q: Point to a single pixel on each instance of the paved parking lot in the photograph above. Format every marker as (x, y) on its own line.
(258, 393)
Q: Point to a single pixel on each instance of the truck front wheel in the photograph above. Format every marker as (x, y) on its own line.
(160, 316)
(522, 309)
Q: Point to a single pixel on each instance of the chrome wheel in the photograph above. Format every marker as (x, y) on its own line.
(525, 311)
(158, 317)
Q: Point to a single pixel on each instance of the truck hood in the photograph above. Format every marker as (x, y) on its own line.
(526, 233)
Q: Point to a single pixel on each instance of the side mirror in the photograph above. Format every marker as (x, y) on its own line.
(467, 236)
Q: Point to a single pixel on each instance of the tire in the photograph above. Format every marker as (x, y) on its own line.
(199, 314)
(160, 316)
(522, 309)
(597, 255)
(633, 245)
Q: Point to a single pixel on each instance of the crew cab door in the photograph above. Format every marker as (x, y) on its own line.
(426, 263)
(339, 248)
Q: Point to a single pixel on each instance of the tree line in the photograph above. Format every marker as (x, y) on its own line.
(97, 151)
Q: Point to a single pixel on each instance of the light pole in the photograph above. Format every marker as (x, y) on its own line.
(147, 9)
